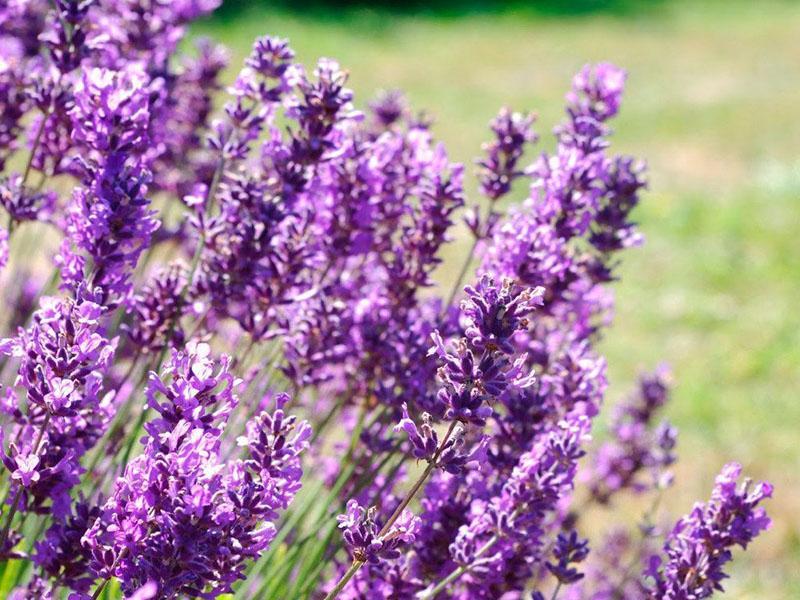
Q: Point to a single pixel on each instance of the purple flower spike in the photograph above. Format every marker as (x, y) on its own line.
(637, 445)
(569, 550)
(699, 546)
(496, 313)
(498, 169)
(181, 516)
(389, 108)
(24, 204)
(597, 91)
(453, 456)
(361, 533)
(111, 112)
(477, 368)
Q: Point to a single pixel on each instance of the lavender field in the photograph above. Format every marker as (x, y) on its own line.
(263, 337)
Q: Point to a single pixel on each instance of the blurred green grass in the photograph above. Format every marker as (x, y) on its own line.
(712, 104)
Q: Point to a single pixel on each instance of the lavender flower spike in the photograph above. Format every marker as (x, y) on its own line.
(478, 368)
(181, 516)
(361, 533)
(699, 546)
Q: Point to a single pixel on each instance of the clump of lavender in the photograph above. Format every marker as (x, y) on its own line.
(297, 238)
(180, 515)
(637, 444)
(699, 546)
(57, 405)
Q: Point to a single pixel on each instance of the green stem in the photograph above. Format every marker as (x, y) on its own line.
(102, 585)
(345, 578)
(555, 591)
(36, 141)
(398, 511)
(459, 280)
(415, 488)
(454, 575)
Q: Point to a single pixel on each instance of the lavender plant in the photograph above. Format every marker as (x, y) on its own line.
(240, 376)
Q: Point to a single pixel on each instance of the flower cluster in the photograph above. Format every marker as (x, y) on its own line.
(108, 217)
(699, 546)
(180, 515)
(636, 445)
(478, 368)
(62, 358)
(365, 540)
(219, 272)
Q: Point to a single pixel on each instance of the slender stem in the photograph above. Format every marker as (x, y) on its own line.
(454, 575)
(635, 560)
(100, 589)
(200, 324)
(64, 24)
(459, 280)
(415, 488)
(242, 360)
(345, 578)
(14, 504)
(555, 591)
(29, 163)
(36, 141)
(397, 512)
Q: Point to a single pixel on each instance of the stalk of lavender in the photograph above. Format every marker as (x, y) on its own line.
(109, 218)
(699, 546)
(62, 359)
(496, 173)
(477, 370)
(543, 476)
(180, 516)
(636, 444)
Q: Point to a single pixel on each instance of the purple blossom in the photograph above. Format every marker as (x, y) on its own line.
(111, 112)
(477, 368)
(363, 538)
(498, 169)
(495, 313)
(199, 394)
(637, 445)
(597, 91)
(388, 108)
(699, 546)
(24, 204)
(26, 472)
(62, 358)
(181, 516)
(569, 550)
(62, 355)
(452, 456)
(60, 553)
(109, 217)
(157, 309)
(542, 478)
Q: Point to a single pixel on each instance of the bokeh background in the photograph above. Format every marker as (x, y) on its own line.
(713, 105)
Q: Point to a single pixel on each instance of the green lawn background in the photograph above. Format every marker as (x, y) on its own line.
(713, 104)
